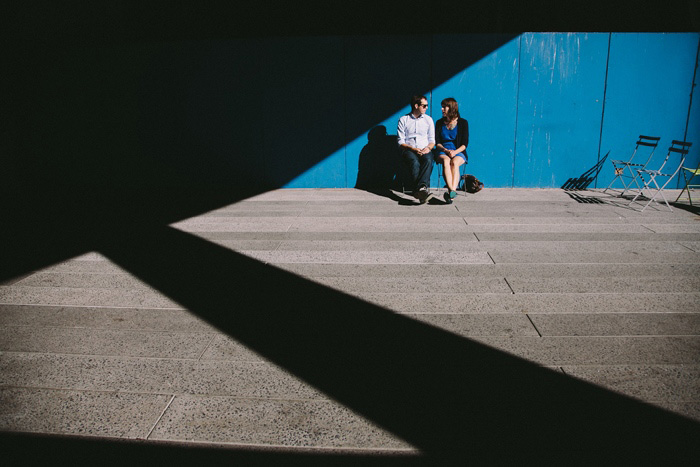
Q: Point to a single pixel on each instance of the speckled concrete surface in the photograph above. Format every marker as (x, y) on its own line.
(84, 296)
(480, 325)
(691, 245)
(150, 319)
(458, 244)
(602, 285)
(609, 257)
(371, 257)
(618, 324)
(215, 375)
(598, 291)
(547, 224)
(283, 423)
(587, 236)
(87, 413)
(672, 383)
(426, 235)
(609, 350)
(90, 341)
(559, 270)
(461, 285)
(592, 303)
(668, 227)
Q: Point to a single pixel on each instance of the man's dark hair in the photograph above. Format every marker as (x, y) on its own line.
(416, 100)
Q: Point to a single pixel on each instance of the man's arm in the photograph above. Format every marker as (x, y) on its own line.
(411, 148)
(431, 137)
(401, 132)
(431, 133)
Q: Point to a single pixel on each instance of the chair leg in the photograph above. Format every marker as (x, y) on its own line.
(611, 183)
(659, 191)
(634, 179)
(641, 190)
(439, 176)
(681, 193)
(621, 176)
(686, 189)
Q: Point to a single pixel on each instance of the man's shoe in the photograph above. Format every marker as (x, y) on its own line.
(422, 194)
(448, 198)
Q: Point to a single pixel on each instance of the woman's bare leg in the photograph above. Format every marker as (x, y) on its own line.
(447, 172)
(456, 163)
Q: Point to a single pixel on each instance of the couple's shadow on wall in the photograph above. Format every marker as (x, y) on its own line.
(379, 168)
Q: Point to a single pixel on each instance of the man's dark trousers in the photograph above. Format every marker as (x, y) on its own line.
(419, 167)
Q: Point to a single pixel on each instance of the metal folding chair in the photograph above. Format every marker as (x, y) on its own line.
(628, 170)
(649, 177)
(687, 171)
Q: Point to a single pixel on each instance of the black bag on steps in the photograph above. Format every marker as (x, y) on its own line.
(471, 184)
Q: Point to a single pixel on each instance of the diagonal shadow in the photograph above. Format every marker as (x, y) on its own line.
(584, 199)
(109, 144)
(584, 180)
(454, 399)
(686, 207)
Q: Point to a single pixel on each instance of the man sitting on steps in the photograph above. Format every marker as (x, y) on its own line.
(416, 132)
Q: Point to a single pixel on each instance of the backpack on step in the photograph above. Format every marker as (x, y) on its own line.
(471, 184)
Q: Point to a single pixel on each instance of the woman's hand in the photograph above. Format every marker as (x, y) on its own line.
(450, 153)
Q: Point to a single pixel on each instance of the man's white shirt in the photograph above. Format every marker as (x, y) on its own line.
(416, 132)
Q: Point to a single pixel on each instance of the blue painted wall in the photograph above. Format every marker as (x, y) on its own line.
(542, 107)
(486, 92)
(649, 84)
(693, 130)
(562, 79)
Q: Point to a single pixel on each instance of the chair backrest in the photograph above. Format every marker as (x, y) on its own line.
(649, 141)
(681, 149)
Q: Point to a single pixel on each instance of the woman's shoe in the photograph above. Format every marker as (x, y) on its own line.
(453, 194)
(448, 198)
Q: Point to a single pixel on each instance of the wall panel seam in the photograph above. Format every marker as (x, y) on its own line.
(679, 183)
(692, 89)
(517, 106)
(602, 111)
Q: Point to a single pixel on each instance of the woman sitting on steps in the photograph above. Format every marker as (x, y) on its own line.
(452, 138)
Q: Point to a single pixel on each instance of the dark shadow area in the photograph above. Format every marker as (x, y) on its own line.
(584, 180)
(84, 20)
(105, 144)
(584, 199)
(378, 166)
(685, 207)
(437, 200)
(406, 200)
